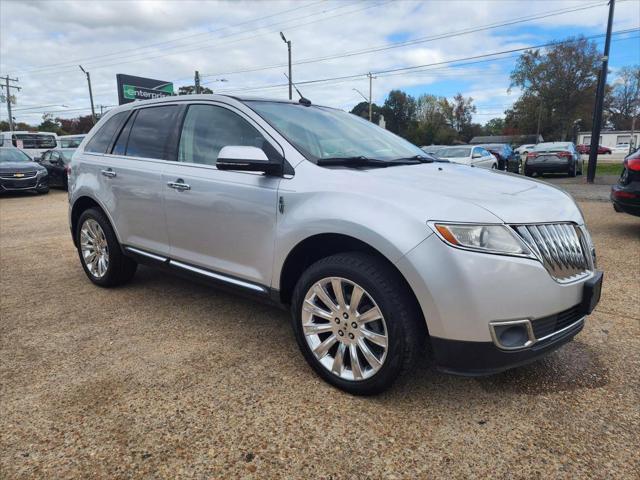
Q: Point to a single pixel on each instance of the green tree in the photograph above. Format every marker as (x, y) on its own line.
(623, 100)
(191, 89)
(362, 110)
(49, 124)
(495, 126)
(399, 111)
(559, 83)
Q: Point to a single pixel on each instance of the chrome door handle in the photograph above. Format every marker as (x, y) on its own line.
(108, 173)
(179, 185)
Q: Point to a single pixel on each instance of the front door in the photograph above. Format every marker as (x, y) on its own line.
(222, 221)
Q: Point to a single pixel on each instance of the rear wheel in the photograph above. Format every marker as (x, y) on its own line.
(572, 169)
(356, 323)
(100, 253)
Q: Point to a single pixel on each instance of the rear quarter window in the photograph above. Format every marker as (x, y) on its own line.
(100, 142)
(151, 132)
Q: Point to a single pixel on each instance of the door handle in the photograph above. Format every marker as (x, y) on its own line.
(109, 173)
(179, 185)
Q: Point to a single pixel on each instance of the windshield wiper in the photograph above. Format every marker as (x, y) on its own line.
(425, 159)
(362, 161)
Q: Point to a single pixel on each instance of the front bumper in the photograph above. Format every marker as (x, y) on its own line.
(462, 293)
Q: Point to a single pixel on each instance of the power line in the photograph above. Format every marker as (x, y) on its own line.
(152, 45)
(280, 23)
(417, 41)
(388, 72)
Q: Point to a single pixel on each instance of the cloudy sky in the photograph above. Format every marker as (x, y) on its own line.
(237, 48)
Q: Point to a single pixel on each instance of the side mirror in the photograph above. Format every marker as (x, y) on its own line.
(246, 159)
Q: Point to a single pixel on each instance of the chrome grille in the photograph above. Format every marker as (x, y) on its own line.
(561, 247)
(20, 175)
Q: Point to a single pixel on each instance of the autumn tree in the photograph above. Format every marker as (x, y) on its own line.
(623, 100)
(558, 84)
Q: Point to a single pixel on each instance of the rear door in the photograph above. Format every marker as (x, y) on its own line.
(223, 221)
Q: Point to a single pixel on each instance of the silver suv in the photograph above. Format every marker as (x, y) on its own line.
(380, 251)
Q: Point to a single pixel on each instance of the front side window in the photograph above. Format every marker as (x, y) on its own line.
(208, 128)
(102, 139)
(320, 132)
(151, 132)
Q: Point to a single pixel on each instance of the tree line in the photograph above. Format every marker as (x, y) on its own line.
(556, 97)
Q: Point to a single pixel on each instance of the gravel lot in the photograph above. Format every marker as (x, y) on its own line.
(165, 378)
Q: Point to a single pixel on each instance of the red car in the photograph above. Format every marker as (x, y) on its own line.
(584, 149)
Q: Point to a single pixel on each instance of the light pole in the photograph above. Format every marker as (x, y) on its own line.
(288, 42)
(93, 110)
(368, 100)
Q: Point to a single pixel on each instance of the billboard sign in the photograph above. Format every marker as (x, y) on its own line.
(132, 88)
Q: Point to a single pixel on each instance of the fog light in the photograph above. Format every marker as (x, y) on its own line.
(512, 335)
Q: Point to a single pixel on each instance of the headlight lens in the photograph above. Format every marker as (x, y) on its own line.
(484, 238)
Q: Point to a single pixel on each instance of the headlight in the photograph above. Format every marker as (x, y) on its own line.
(483, 238)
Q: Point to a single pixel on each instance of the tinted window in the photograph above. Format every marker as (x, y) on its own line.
(151, 132)
(208, 128)
(101, 140)
(120, 145)
(34, 140)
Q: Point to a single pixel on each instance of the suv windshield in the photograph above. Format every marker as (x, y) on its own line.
(323, 133)
(13, 155)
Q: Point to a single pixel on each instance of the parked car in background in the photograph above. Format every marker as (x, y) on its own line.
(33, 144)
(622, 148)
(625, 195)
(18, 172)
(57, 163)
(523, 150)
(553, 157)
(506, 156)
(378, 251)
(585, 149)
(469, 155)
(70, 141)
(433, 149)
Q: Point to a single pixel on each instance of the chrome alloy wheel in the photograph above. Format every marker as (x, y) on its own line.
(344, 328)
(94, 248)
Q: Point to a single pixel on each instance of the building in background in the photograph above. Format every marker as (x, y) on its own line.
(610, 138)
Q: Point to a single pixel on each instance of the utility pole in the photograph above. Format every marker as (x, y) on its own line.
(93, 110)
(370, 95)
(539, 121)
(288, 42)
(197, 82)
(597, 110)
(9, 87)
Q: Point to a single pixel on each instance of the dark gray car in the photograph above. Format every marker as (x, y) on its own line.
(18, 172)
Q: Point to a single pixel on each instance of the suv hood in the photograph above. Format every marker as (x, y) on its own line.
(11, 167)
(441, 190)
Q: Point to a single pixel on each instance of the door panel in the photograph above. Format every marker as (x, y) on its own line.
(136, 201)
(224, 222)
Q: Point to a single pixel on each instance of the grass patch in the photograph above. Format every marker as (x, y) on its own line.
(606, 168)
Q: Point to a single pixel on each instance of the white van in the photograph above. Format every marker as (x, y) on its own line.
(33, 144)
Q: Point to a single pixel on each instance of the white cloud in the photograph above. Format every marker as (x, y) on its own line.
(219, 37)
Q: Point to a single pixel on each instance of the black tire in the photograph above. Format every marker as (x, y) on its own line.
(528, 173)
(617, 208)
(406, 331)
(42, 191)
(121, 268)
(572, 169)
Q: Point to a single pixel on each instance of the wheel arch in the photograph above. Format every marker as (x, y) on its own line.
(82, 204)
(316, 247)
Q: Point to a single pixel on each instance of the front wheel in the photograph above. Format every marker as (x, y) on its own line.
(99, 251)
(356, 323)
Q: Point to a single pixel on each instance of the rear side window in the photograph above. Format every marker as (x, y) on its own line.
(100, 142)
(208, 128)
(151, 132)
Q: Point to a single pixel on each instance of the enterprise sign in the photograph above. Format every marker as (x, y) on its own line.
(132, 88)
